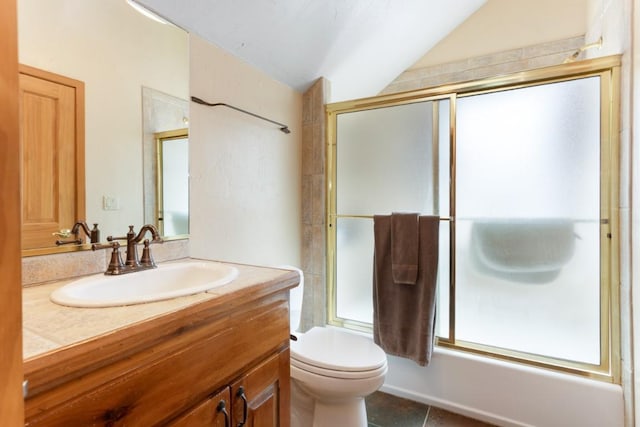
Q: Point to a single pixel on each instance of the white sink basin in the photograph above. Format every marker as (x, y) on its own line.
(167, 281)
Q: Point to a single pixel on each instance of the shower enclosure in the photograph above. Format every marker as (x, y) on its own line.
(521, 171)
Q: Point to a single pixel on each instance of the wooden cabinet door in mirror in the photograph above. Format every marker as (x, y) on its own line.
(52, 147)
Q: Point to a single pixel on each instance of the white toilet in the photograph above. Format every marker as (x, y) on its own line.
(331, 373)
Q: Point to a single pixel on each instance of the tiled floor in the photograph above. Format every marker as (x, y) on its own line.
(385, 410)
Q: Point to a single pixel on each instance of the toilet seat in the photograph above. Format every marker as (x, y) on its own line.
(341, 375)
(337, 354)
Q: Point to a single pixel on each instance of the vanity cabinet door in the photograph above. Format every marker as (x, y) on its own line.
(214, 412)
(261, 397)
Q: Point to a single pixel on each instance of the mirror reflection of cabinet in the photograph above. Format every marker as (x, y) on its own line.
(52, 153)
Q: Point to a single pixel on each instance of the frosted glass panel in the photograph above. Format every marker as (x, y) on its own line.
(175, 186)
(354, 269)
(388, 161)
(384, 160)
(527, 234)
(530, 152)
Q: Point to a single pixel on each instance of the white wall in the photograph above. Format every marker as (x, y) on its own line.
(115, 51)
(245, 173)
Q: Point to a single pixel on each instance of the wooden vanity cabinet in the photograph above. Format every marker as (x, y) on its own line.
(172, 370)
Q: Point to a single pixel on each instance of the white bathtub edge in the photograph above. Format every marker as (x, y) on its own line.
(453, 407)
(506, 393)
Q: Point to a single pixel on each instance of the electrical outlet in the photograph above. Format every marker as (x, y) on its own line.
(110, 203)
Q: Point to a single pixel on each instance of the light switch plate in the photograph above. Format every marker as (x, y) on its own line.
(110, 203)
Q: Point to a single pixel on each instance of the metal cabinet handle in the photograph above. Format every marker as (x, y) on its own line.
(222, 407)
(245, 406)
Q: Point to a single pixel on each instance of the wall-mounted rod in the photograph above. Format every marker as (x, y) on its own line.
(574, 55)
(442, 218)
(283, 128)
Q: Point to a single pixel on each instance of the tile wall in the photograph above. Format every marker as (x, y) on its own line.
(507, 62)
(314, 196)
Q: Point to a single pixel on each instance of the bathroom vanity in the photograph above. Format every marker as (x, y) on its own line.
(211, 359)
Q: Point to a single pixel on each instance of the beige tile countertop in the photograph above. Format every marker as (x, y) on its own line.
(48, 326)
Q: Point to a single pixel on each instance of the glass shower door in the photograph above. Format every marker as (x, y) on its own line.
(387, 161)
(528, 223)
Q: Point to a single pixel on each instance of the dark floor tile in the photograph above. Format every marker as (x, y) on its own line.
(385, 410)
(440, 418)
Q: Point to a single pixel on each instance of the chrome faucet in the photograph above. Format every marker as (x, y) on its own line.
(132, 263)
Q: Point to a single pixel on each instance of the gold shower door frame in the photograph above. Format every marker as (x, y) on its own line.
(608, 69)
(160, 138)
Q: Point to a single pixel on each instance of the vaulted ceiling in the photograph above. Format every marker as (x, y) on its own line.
(359, 45)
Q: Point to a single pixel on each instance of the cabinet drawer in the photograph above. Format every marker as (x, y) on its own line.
(155, 385)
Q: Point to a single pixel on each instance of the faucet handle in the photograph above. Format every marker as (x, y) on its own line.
(96, 246)
(130, 236)
(147, 259)
(116, 266)
(69, 242)
(65, 233)
(94, 234)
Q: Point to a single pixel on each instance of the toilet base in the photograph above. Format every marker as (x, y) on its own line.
(307, 411)
(302, 406)
(351, 413)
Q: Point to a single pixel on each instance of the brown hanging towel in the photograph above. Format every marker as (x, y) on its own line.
(404, 314)
(404, 247)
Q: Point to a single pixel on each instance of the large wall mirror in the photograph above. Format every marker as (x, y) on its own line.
(136, 76)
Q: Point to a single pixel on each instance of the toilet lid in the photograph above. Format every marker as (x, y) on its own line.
(335, 350)
(332, 373)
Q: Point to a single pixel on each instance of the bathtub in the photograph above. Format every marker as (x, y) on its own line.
(505, 393)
